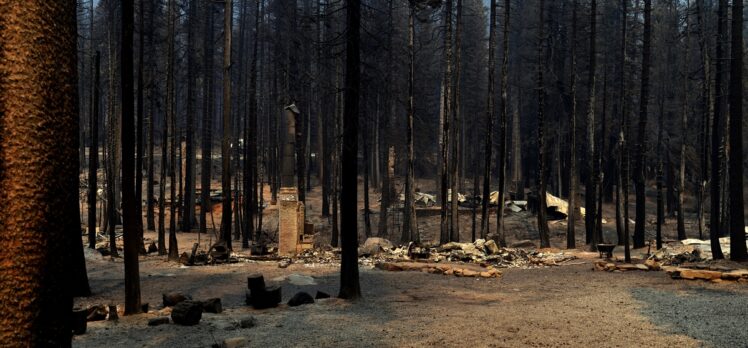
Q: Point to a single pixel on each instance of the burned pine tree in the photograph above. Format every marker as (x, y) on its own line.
(502, 155)
(542, 173)
(488, 146)
(717, 129)
(737, 214)
(639, 170)
(226, 120)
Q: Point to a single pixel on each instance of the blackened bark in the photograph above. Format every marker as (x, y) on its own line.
(488, 145)
(207, 122)
(226, 140)
(502, 124)
(737, 215)
(592, 167)
(93, 156)
(444, 236)
(642, 131)
(188, 212)
(571, 242)
(717, 128)
(541, 185)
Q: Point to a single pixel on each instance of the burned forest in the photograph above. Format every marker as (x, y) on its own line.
(373, 173)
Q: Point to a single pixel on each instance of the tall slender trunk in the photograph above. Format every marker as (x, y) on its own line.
(188, 214)
(571, 242)
(502, 120)
(384, 134)
(592, 168)
(542, 205)
(349, 284)
(683, 126)
(454, 226)
(129, 204)
(660, 201)
(169, 128)
(639, 178)
(705, 119)
(250, 152)
(444, 236)
(226, 140)
(207, 122)
(93, 155)
(139, 135)
(717, 128)
(410, 226)
(737, 214)
(488, 145)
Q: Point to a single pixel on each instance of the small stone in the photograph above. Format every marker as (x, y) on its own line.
(158, 321)
(173, 298)
(212, 305)
(187, 313)
(248, 322)
(300, 298)
(321, 294)
(235, 342)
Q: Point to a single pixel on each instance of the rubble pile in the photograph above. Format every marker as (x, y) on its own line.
(444, 269)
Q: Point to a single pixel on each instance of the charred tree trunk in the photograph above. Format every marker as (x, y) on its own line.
(129, 204)
(188, 214)
(207, 131)
(250, 152)
(502, 121)
(737, 214)
(139, 136)
(454, 180)
(226, 140)
(93, 156)
(349, 284)
(542, 205)
(639, 179)
(169, 128)
(681, 228)
(592, 168)
(150, 214)
(717, 128)
(410, 227)
(571, 242)
(488, 145)
(444, 236)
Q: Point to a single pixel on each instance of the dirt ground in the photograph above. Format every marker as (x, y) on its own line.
(566, 306)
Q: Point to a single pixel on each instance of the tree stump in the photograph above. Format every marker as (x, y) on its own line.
(79, 318)
(256, 283)
(212, 305)
(187, 313)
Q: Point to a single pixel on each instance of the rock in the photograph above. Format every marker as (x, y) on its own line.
(268, 298)
(301, 298)
(112, 313)
(321, 294)
(300, 280)
(451, 246)
(96, 313)
(284, 263)
(491, 247)
(247, 322)
(699, 274)
(79, 321)
(158, 321)
(187, 313)
(235, 342)
(523, 244)
(173, 298)
(212, 305)
(642, 267)
(374, 246)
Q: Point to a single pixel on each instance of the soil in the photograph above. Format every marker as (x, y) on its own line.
(565, 306)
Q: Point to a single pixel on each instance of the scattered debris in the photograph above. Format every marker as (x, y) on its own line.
(523, 244)
(717, 274)
(187, 313)
(301, 298)
(158, 321)
(623, 267)
(374, 246)
(438, 269)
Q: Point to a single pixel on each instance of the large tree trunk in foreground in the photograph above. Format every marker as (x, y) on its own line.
(38, 171)
(737, 214)
(129, 202)
(349, 284)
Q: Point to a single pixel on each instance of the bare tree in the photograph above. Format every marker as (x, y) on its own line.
(737, 214)
(226, 140)
(542, 205)
(642, 131)
(717, 128)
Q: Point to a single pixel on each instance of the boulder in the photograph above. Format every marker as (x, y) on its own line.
(212, 305)
(187, 313)
(491, 247)
(247, 322)
(523, 244)
(321, 294)
(235, 342)
(173, 298)
(374, 246)
(301, 298)
(158, 321)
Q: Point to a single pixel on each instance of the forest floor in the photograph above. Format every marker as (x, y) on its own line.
(569, 305)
